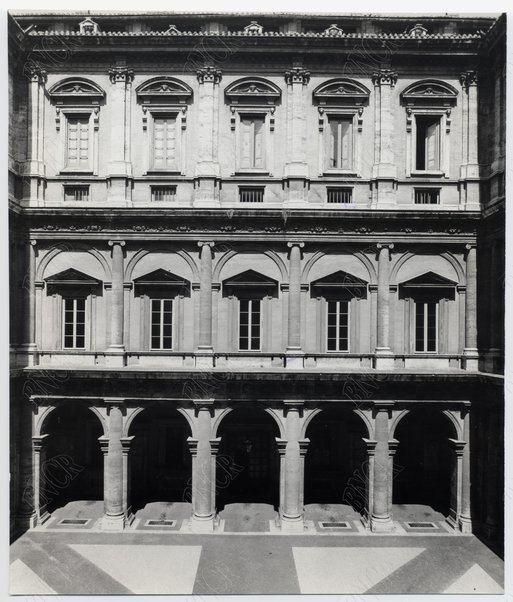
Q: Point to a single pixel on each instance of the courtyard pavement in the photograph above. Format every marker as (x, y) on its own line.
(167, 558)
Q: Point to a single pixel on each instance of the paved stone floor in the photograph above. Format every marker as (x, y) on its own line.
(156, 560)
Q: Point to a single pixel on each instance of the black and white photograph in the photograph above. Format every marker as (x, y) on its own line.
(254, 288)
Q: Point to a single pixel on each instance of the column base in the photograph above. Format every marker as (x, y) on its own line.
(202, 524)
(292, 525)
(39, 521)
(384, 358)
(381, 525)
(465, 525)
(470, 359)
(113, 523)
(115, 356)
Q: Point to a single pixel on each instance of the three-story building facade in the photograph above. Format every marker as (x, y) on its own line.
(257, 260)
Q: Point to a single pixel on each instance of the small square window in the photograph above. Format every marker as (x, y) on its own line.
(76, 193)
(427, 196)
(163, 193)
(339, 195)
(251, 194)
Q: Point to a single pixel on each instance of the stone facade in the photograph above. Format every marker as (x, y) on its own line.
(224, 236)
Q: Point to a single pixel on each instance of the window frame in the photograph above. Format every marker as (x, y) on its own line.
(411, 145)
(162, 300)
(238, 114)
(352, 114)
(66, 298)
(67, 113)
(337, 301)
(250, 300)
(425, 303)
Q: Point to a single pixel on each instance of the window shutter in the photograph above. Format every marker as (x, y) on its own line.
(333, 143)
(259, 143)
(246, 134)
(164, 143)
(432, 145)
(78, 142)
(346, 145)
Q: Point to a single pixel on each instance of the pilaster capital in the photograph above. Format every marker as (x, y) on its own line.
(384, 77)
(36, 74)
(297, 75)
(209, 74)
(121, 74)
(392, 446)
(468, 79)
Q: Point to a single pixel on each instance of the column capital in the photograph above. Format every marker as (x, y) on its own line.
(114, 402)
(126, 442)
(203, 404)
(36, 74)
(32, 242)
(384, 77)
(104, 444)
(293, 405)
(303, 446)
(282, 446)
(470, 245)
(207, 243)
(370, 445)
(385, 245)
(121, 74)
(392, 446)
(468, 79)
(193, 445)
(111, 243)
(38, 442)
(458, 446)
(295, 244)
(297, 75)
(214, 445)
(209, 74)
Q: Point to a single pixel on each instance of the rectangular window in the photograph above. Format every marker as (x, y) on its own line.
(340, 143)
(163, 193)
(338, 326)
(426, 327)
(76, 193)
(78, 149)
(251, 194)
(427, 143)
(427, 196)
(249, 324)
(74, 324)
(164, 143)
(252, 142)
(339, 195)
(161, 323)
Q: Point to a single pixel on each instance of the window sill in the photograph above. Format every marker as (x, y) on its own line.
(67, 171)
(252, 172)
(164, 172)
(420, 173)
(347, 173)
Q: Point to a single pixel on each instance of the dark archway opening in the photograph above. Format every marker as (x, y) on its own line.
(336, 463)
(160, 459)
(248, 463)
(424, 460)
(71, 458)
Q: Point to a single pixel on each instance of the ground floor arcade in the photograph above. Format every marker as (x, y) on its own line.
(370, 458)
